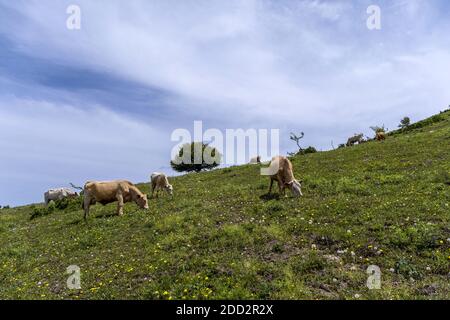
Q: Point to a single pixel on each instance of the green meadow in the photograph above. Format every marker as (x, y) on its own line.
(223, 237)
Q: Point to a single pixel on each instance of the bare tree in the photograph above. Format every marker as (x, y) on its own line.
(297, 139)
(75, 187)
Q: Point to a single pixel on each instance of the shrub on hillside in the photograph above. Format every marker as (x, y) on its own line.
(301, 152)
(64, 205)
(404, 123)
(42, 211)
(68, 204)
(420, 124)
(310, 149)
(201, 157)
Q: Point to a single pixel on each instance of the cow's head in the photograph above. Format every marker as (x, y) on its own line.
(141, 201)
(296, 187)
(169, 189)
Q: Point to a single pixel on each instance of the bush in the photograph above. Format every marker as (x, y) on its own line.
(420, 124)
(404, 123)
(196, 161)
(68, 204)
(43, 211)
(310, 149)
(64, 205)
(303, 151)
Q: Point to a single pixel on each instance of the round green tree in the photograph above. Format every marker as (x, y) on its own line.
(196, 156)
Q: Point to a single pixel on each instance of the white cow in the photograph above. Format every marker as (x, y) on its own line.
(159, 181)
(58, 194)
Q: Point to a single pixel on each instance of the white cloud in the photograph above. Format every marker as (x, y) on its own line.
(246, 56)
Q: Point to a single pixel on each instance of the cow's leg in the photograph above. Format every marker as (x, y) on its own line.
(153, 189)
(86, 205)
(120, 204)
(280, 185)
(270, 187)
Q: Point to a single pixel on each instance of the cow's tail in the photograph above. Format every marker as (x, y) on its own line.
(85, 193)
(83, 198)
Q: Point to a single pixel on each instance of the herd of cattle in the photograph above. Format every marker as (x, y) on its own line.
(123, 191)
(359, 138)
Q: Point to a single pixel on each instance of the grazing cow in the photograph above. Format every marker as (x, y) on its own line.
(106, 192)
(159, 181)
(255, 160)
(284, 176)
(58, 194)
(357, 138)
(380, 136)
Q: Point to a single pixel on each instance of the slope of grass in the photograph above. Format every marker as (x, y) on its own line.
(379, 203)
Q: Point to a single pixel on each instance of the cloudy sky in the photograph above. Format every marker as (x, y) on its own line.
(101, 102)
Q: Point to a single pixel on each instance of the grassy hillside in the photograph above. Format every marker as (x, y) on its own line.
(382, 203)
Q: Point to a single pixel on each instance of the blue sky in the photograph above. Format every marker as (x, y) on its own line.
(102, 102)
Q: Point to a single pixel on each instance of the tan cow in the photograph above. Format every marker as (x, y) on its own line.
(380, 136)
(284, 176)
(159, 181)
(106, 192)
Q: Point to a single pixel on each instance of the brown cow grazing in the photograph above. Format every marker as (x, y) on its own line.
(106, 192)
(284, 176)
(159, 182)
(380, 136)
